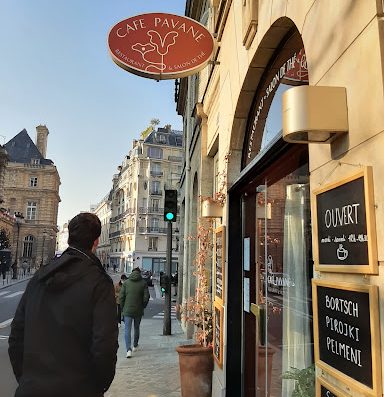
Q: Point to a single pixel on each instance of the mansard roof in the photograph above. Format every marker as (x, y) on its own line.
(165, 137)
(21, 149)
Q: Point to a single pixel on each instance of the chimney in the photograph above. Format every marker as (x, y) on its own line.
(41, 139)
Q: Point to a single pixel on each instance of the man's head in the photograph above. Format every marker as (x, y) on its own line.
(136, 269)
(84, 231)
(123, 277)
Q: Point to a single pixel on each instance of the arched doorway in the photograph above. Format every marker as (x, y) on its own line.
(274, 328)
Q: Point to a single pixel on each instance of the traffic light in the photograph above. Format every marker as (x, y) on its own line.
(170, 205)
(165, 283)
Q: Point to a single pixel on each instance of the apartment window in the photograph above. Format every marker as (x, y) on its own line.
(155, 204)
(33, 181)
(179, 141)
(35, 161)
(161, 138)
(152, 243)
(155, 187)
(154, 224)
(28, 247)
(155, 152)
(31, 210)
(156, 169)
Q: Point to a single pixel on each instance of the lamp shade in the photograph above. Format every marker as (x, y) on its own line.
(314, 114)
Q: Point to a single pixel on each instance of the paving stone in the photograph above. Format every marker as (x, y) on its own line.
(153, 371)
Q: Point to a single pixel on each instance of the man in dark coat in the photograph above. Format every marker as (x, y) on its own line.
(134, 297)
(63, 339)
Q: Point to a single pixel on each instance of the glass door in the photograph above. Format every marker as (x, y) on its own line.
(282, 297)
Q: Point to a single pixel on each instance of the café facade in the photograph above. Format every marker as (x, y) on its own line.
(289, 114)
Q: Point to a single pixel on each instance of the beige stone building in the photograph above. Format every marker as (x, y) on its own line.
(138, 232)
(289, 115)
(31, 188)
(103, 211)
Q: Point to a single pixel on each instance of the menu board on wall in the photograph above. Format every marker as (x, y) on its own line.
(346, 333)
(344, 225)
(325, 389)
(219, 264)
(218, 333)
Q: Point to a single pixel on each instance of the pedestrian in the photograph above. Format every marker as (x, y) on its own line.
(63, 339)
(114, 267)
(117, 296)
(175, 282)
(134, 297)
(24, 266)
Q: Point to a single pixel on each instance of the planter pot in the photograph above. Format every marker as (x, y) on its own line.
(264, 363)
(211, 209)
(196, 366)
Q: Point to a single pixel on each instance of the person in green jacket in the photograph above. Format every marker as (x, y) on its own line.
(134, 297)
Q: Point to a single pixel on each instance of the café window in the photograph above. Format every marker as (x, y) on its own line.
(289, 68)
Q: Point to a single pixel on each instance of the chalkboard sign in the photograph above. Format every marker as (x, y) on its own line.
(219, 261)
(218, 333)
(327, 393)
(346, 333)
(325, 389)
(344, 224)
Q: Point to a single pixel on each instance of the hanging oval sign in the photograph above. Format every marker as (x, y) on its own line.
(160, 46)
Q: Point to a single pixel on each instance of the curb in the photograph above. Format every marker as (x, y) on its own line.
(14, 283)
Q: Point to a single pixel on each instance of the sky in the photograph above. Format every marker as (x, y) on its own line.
(55, 70)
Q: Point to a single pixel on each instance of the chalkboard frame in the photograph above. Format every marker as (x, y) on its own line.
(366, 268)
(220, 308)
(333, 389)
(219, 230)
(372, 290)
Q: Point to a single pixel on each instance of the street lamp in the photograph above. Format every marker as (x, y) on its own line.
(18, 218)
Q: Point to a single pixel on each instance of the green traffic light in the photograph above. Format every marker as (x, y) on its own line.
(169, 216)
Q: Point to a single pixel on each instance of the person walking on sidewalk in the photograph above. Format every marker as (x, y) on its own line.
(63, 339)
(134, 297)
(117, 296)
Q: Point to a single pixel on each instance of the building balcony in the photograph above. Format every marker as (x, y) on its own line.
(156, 173)
(153, 229)
(156, 192)
(122, 215)
(151, 210)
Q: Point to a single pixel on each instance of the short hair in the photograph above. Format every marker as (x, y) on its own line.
(83, 230)
(123, 277)
(136, 269)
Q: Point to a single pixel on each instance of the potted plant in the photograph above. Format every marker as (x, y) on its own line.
(212, 207)
(196, 360)
(304, 381)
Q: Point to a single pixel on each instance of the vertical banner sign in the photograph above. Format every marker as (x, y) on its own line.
(218, 333)
(346, 333)
(219, 264)
(344, 225)
(160, 46)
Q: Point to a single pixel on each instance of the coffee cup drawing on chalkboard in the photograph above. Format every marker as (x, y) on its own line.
(342, 253)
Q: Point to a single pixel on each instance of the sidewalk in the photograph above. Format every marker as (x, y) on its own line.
(8, 281)
(153, 371)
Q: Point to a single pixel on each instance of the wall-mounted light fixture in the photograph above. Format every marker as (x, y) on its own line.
(314, 114)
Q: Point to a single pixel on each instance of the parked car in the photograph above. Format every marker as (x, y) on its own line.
(147, 276)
